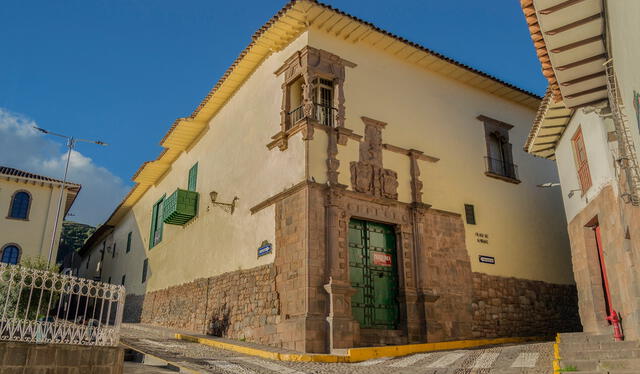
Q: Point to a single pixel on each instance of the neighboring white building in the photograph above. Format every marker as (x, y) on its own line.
(28, 204)
(589, 124)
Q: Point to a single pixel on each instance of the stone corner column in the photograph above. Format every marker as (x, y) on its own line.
(343, 329)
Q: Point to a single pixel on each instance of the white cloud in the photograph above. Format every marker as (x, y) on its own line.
(22, 147)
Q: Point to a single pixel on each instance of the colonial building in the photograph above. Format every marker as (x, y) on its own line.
(30, 202)
(588, 123)
(341, 186)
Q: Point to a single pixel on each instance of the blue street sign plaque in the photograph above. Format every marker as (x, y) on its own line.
(264, 249)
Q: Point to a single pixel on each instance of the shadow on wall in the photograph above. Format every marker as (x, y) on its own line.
(135, 266)
(219, 323)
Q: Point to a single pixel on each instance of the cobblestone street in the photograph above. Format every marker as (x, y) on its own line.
(532, 358)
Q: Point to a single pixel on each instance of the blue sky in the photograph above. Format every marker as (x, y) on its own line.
(123, 70)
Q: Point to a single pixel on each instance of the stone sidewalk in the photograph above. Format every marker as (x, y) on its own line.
(532, 358)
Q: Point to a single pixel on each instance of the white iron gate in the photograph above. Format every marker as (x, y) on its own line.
(44, 307)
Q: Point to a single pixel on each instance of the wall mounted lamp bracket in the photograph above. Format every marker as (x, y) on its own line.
(228, 207)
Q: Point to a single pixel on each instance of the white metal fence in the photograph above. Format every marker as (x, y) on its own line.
(44, 307)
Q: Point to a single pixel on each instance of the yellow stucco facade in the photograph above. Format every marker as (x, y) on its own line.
(232, 161)
(436, 115)
(261, 145)
(31, 235)
(424, 111)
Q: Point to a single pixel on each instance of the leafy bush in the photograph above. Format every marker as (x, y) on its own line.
(18, 297)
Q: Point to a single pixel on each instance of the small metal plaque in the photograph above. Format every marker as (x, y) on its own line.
(487, 259)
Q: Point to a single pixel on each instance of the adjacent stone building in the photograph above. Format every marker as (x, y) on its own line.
(341, 186)
(588, 123)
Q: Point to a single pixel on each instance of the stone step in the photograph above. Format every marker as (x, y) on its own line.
(599, 354)
(585, 338)
(602, 365)
(595, 346)
(620, 364)
(579, 365)
(375, 337)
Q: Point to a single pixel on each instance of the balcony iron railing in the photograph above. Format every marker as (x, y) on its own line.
(501, 168)
(296, 115)
(323, 114)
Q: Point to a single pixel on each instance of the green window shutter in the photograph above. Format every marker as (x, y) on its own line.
(152, 230)
(160, 224)
(128, 241)
(155, 236)
(193, 177)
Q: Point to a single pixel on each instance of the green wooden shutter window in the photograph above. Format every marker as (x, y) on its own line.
(152, 229)
(155, 236)
(128, 242)
(193, 177)
(160, 224)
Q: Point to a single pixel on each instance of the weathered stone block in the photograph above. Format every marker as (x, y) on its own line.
(15, 355)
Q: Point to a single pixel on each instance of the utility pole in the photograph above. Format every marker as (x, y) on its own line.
(71, 142)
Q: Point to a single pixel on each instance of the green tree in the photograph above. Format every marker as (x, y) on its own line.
(73, 236)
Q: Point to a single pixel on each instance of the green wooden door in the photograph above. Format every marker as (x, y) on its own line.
(372, 270)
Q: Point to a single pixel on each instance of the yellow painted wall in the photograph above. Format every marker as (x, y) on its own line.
(233, 160)
(425, 111)
(33, 236)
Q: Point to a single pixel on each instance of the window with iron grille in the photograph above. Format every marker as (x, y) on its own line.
(322, 97)
(470, 214)
(499, 159)
(324, 102)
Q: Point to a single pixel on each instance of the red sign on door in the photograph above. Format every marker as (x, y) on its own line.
(381, 259)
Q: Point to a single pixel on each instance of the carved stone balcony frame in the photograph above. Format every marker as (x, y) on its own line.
(309, 63)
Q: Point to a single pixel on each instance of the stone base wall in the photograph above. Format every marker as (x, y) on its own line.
(59, 358)
(506, 307)
(621, 247)
(445, 271)
(242, 304)
(303, 300)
